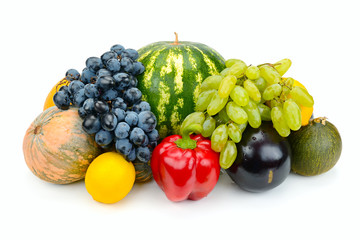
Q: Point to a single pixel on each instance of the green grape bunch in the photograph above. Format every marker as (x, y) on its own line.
(244, 95)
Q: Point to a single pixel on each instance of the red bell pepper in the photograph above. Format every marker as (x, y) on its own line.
(185, 167)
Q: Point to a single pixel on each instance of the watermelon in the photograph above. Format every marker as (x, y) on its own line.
(172, 77)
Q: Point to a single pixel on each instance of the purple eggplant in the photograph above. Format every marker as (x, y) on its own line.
(263, 159)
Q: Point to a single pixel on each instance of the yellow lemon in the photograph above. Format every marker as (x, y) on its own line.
(109, 177)
(49, 99)
(306, 112)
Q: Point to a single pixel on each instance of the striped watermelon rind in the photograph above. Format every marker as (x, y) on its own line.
(172, 78)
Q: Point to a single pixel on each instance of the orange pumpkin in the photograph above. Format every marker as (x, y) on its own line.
(49, 99)
(57, 149)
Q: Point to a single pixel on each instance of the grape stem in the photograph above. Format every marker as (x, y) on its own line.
(269, 64)
(275, 102)
(186, 142)
(64, 80)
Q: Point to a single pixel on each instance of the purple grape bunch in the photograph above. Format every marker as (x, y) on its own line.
(110, 103)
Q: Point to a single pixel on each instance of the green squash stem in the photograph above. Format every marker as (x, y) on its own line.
(321, 120)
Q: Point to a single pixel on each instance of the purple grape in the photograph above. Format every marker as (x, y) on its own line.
(119, 113)
(109, 121)
(91, 91)
(101, 106)
(75, 86)
(94, 64)
(123, 146)
(105, 83)
(103, 137)
(108, 55)
(113, 65)
(109, 95)
(137, 136)
(117, 48)
(72, 74)
(147, 121)
(119, 103)
(79, 97)
(143, 154)
(87, 76)
(131, 118)
(91, 124)
(122, 130)
(62, 100)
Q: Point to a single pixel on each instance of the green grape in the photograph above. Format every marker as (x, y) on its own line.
(279, 121)
(225, 72)
(242, 127)
(252, 90)
(204, 100)
(261, 84)
(272, 91)
(218, 119)
(289, 82)
(265, 112)
(285, 91)
(216, 104)
(238, 69)
(223, 115)
(270, 74)
(228, 155)
(234, 132)
(219, 138)
(192, 118)
(253, 114)
(282, 66)
(208, 126)
(301, 96)
(292, 114)
(230, 62)
(236, 113)
(275, 103)
(211, 82)
(239, 95)
(240, 81)
(226, 86)
(252, 72)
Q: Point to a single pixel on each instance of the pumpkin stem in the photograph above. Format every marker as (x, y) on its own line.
(37, 129)
(321, 120)
(176, 39)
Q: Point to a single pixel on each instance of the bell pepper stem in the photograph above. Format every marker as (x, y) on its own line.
(186, 142)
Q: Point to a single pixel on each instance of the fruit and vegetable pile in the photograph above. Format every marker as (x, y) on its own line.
(179, 113)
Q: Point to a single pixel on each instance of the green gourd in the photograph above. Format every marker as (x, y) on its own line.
(316, 147)
(143, 171)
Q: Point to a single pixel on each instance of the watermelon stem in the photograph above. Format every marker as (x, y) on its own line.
(186, 142)
(176, 39)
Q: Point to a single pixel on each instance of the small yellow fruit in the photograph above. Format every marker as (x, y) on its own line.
(306, 112)
(109, 177)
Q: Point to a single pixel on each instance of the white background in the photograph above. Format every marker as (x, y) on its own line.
(40, 40)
